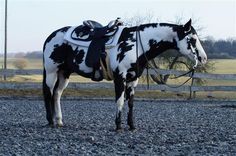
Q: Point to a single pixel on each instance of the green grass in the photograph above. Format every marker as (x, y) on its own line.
(31, 63)
(224, 66)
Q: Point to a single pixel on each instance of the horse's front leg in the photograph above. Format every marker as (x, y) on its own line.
(130, 120)
(130, 98)
(119, 91)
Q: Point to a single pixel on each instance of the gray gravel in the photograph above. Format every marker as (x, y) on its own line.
(163, 128)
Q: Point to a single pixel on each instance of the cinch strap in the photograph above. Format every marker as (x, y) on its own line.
(106, 68)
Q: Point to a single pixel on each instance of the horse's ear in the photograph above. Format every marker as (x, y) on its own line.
(187, 26)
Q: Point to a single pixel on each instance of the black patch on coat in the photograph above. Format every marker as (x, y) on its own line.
(128, 33)
(143, 26)
(128, 92)
(168, 25)
(152, 43)
(181, 31)
(193, 31)
(119, 83)
(125, 36)
(135, 68)
(64, 29)
(192, 42)
(65, 56)
(61, 52)
(155, 50)
(158, 48)
(119, 88)
(69, 66)
(47, 100)
(123, 47)
(79, 56)
(129, 77)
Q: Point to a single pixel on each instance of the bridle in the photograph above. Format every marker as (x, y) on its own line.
(149, 65)
(194, 51)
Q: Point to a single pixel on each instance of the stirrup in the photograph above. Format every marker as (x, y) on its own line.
(97, 75)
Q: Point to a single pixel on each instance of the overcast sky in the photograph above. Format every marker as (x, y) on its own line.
(31, 21)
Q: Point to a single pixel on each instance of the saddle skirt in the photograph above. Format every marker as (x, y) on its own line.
(84, 41)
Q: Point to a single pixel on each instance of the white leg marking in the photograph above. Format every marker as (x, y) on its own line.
(57, 98)
(132, 84)
(51, 79)
(120, 102)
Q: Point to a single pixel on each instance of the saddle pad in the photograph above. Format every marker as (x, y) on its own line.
(109, 44)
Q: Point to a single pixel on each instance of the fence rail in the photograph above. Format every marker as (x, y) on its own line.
(12, 72)
(196, 75)
(185, 88)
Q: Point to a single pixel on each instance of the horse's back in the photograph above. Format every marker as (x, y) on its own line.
(53, 35)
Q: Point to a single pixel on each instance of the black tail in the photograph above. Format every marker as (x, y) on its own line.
(48, 100)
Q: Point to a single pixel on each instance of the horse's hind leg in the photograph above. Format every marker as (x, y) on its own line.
(119, 91)
(63, 80)
(49, 80)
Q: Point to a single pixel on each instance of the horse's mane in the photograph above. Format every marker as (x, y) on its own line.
(154, 25)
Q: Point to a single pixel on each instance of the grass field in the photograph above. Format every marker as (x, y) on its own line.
(223, 66)
(31, 63)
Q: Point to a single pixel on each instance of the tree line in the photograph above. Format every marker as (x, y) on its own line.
(220, 49)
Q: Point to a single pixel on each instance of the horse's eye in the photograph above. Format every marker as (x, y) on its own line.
(193, 41)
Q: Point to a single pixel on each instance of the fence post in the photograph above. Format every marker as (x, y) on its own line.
(2, 76)
(191, 94)
(5, 43)
(194, 94)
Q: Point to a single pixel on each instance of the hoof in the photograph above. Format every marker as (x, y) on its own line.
(133, 129)
(119, 130)
(59, 125)
(49, 125)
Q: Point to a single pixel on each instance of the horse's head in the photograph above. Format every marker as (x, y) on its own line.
(189, 43)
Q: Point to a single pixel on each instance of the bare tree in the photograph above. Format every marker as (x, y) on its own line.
(139, 19)
(20, 63)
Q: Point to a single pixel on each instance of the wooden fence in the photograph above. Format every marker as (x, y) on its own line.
(185, 88)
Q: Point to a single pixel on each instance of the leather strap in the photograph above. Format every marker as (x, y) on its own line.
(106, 68)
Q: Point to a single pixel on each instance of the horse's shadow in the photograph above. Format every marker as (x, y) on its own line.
(228, 106)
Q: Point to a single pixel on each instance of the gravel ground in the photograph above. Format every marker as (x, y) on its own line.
(163, 128)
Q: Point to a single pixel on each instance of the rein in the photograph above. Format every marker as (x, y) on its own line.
(149, 65)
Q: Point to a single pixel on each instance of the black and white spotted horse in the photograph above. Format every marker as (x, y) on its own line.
(128, 58)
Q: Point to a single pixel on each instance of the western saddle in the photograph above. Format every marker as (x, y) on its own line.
(98, 35)
(92, 29)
